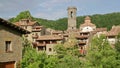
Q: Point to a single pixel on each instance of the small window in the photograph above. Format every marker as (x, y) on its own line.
(8, 46)
(25, 27)
(72, 27)
(71, 14)
(50, 49)
(81, 48)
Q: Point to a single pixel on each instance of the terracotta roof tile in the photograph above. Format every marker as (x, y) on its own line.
(28, 23)
(114, 31)
(13, 26)
(101, 29)
(50, 37)
(87, 23)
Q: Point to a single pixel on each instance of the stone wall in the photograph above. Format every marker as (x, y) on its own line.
(7, 34)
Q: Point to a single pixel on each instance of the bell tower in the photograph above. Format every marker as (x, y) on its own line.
(71, 18)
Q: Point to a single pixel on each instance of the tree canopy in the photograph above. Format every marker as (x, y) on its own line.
(101, 54)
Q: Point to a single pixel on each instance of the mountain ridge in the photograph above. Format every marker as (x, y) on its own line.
(100, 20)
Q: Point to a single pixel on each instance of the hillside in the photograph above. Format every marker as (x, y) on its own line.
(104, 20)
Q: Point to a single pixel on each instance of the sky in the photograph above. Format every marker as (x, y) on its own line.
(55, 9)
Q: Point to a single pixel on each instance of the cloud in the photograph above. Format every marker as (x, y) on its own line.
(52, 3)
(52, 15)
(54, 9)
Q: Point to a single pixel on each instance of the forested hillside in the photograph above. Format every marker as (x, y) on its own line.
(104, 20)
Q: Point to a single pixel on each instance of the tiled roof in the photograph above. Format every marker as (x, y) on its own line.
(101, 29)
(29, 23)
(72, 7)
(87, 23)
(37, 28)
(87, 18)
(57, 31)
(114, 31)
(50, 37)
(13, 26)
(81, 37)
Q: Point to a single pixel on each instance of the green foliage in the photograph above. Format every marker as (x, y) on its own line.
(117, 47)
(68, 54)
(34, 59)
(67, 57)
(60, 24)
(71, 42)
(21, 15)
(101, 54)
(105, 20)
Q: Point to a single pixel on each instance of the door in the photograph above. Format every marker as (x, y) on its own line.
(7, 65)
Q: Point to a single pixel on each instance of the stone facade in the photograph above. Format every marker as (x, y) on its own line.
(72, 18)
(50, 49)
(7, 34)
(34, 27)
(47, 43)
(10, 44)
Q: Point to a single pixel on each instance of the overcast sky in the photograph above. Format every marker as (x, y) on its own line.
(55, 9)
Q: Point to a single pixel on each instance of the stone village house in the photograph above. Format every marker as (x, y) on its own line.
(34, 27)
(10, 44)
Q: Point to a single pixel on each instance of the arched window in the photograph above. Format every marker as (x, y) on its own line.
(71, 14)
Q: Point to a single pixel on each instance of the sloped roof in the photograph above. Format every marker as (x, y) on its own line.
(101, 29)
(30, 23)
(57, 31)
(13, 26)
(87, 23)
(37, 28)
(50, 37)
(72, 7)
(114, 31)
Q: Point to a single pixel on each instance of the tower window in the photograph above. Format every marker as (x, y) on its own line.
(72, 27)
(71, 14)
(50, 49)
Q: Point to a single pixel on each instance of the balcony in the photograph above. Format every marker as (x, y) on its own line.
(82, 42)
(82, 36)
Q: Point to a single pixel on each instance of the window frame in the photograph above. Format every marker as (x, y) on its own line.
(8, 46)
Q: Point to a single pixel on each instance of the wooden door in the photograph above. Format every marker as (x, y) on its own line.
(7, 65)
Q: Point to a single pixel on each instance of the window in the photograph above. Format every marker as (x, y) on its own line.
(25, 27)
(71, 14)
(72, 27)
(50, 49)
(8, 46)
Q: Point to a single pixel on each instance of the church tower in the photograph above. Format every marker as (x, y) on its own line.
(71, 18)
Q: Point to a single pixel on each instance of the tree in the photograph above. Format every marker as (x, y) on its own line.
(100, 54)
(68, 54)
(33, 59)
(21, 15)
(117, 44)
(67, 57)
(117, 47)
